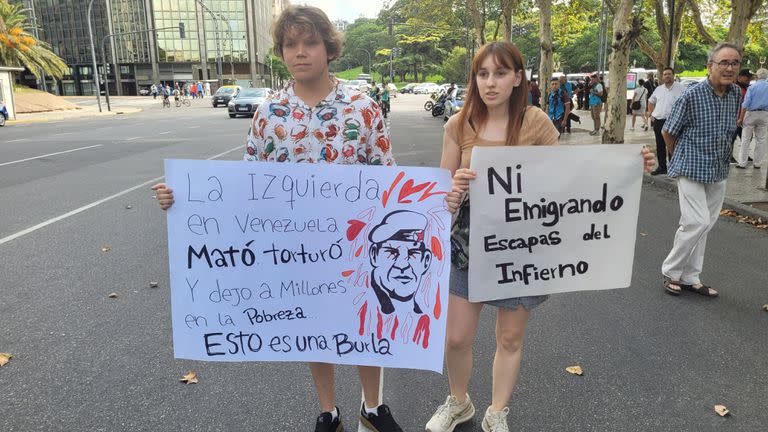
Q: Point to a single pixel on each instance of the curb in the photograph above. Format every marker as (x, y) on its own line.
(669, 184)
(76, 117)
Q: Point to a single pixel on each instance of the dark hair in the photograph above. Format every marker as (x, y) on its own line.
(668, 69)
(641, 81)
(475, 112)
(307, 20)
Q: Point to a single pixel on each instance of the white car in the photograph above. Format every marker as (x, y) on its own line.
(426, 88)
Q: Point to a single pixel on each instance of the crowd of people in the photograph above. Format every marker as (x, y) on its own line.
(194, 90)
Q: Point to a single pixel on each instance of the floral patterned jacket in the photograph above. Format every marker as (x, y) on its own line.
(346, 128)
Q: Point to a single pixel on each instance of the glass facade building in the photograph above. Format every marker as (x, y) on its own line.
(235, 31)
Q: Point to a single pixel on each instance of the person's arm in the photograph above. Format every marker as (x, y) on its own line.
(740, 119)
(451, 160)
(567, 106)
(669, 140)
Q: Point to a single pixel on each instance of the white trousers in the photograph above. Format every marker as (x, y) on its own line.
(755, 125)
(700, 205)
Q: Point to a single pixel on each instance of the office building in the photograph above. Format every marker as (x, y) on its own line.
(222, 41)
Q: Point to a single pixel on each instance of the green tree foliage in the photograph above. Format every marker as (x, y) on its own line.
(18, 47)
(454, 68)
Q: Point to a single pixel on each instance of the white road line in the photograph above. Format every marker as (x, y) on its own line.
(166, 132)
(17, 140)
(62, 133)
(49, 154)
(94, 204)
(131, 139)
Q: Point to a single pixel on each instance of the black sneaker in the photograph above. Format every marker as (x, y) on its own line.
(381, 422)
(658, 171)
(326, 423)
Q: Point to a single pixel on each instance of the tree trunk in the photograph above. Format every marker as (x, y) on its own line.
(626, 28)
(742, 12)
(660, 56)
(546, 52)
(478, 21)
(507, 7)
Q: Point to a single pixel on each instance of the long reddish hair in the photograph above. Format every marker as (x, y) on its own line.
(475, 112)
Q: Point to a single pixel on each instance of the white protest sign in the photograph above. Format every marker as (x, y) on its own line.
(546, 220)
(309, 262)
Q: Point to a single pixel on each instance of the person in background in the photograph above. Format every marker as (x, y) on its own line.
(535, 93)
(567, 87)
(596, 92)
(659, 106)
(558, 105)
(384, 99)
(754, 118)
(639, 100)
(743, 81)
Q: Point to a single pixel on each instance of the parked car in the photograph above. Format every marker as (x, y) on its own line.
(247, 101)
(426, 88)
(144, 91)
(224, 94)
(3, 114)
(392, 90)
(408, 88)
(454, 105)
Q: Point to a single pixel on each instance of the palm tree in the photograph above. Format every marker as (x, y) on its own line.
(20, 48)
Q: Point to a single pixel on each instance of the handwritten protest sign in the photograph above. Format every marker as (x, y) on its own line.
(546, 220)
(300, 262)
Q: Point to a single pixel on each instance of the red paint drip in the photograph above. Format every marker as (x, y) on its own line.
(363, 312)
(428, 193)
(438, 306)
(387, 193)
(379, 324)
(359, 251)
(437, 248)
(409, 189)
(394, 328)
(422, 329)
(346, 273)
(354, 228)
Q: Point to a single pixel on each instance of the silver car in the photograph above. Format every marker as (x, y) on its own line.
(247, 101)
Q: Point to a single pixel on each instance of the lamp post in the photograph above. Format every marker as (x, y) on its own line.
(216, 36)
(369, 58)
(95, 74)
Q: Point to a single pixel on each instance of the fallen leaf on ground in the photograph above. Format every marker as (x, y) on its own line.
(721, 410)
(5, 358)
(153, 284)
(576, 370)
(113, 295)
(189, 378)
(128, 207)
(643, 234)
(728, 213)
(765, 307)
(106, 249)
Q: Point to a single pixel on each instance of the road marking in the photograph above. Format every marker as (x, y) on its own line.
(94, 204)
(166, 132)
(131, 139)
(62, 133)
(49, 154)
(17, 140)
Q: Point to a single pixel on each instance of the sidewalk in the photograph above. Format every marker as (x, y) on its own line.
(745, 193)
(88, 108)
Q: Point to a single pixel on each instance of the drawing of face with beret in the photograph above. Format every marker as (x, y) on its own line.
(399, 258)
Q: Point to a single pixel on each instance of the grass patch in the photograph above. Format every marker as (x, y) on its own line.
(693, 74)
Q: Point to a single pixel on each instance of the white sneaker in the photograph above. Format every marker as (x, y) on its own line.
(450, 414)
(631, 128)
(495, 421)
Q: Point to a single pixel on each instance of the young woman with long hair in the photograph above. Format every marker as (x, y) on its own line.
(495, 113)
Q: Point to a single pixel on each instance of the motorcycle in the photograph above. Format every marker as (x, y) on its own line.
(3, 114)
(431, 103)
(439, 108)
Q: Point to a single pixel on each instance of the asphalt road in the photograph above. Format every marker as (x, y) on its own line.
(85, 362)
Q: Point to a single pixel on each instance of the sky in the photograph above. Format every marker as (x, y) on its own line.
(348, 10)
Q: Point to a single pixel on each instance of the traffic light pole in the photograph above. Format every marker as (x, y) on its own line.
(104, 55)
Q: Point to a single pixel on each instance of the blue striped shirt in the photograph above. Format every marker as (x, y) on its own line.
(704, 124)
(757, 97)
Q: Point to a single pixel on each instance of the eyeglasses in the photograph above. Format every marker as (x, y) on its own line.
(725, 64)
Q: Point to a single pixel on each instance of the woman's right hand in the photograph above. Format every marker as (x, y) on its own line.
(164, 195)
(460, 186)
